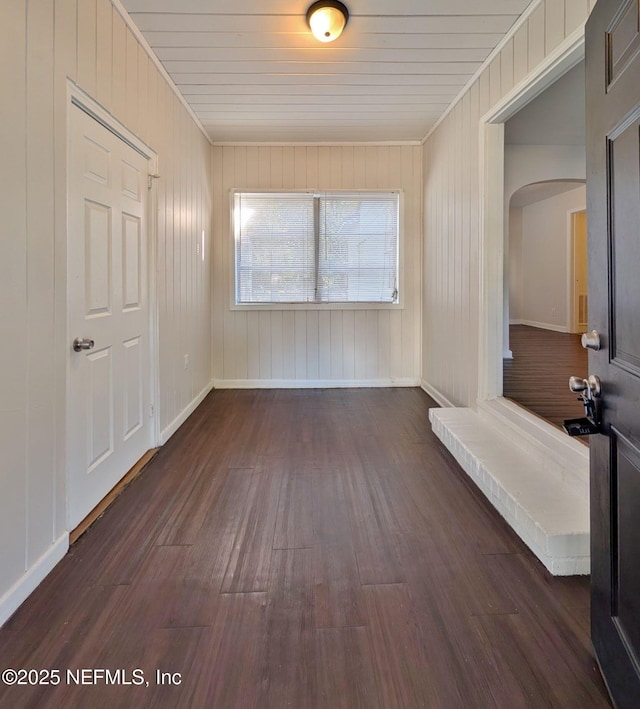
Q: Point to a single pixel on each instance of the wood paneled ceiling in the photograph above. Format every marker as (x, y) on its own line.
(252, 71)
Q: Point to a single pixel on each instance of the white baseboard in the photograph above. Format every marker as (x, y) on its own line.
(169, 430)
(313, 383)
(515, 322)
(436, 395)
(32, 578)
(507, 354)
(544, 325)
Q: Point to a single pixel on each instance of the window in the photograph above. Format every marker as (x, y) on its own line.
(330, 247)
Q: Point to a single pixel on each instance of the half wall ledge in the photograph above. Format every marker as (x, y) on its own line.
(537, 481)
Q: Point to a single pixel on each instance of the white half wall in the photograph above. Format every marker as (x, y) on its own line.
(43, 43)
(317, 345)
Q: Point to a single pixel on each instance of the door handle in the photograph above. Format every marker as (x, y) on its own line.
(83, 343)
(589, 387)
(591, 340)
(590, 391)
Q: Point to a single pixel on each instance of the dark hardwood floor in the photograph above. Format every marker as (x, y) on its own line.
(306, 549)
(538, 375)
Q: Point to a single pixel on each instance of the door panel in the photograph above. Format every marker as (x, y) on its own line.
(613, 199)
(624, 155)
(131, 246)
(626, 542)
(98, 250)
(131, 178)
(109, 388)
(132, 403)
(623, 40)
(100, 409)
(97, 160)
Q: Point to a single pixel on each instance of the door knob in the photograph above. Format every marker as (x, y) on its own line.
(83, 343)
(591, 340)
(590, 386)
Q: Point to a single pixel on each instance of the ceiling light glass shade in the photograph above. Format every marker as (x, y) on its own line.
(327, 19)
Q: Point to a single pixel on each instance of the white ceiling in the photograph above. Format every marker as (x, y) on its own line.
(251, 70)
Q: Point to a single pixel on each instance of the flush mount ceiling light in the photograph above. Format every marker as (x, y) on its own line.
(327, 19)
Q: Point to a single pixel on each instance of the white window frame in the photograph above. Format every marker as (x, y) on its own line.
(399, 305)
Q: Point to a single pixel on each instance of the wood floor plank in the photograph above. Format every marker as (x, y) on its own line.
(460, 582)
(183, 525)
(230, 656)
(374, 528)
(224, 522)
(290, 653)
(534, 670)
(346, 671)
(250, 557)
(337, 590)
(294, 523)
(538, 375)
(400, 662)
(307, 549)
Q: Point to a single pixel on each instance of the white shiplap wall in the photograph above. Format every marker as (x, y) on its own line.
(311, 347)
(452, 211)
(42, 43)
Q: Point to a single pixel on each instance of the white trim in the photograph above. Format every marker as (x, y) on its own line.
(154, 308)
(117, 4)
(544, 325)
(349, 305)
(507, 354)
(436, 395)
(529, 10)
(314, 383)
(563, 58)
(248, 307)
(491, 189)
(32, 578)
(85, 102)
(169, 430)
(317, 144)
(491, 260)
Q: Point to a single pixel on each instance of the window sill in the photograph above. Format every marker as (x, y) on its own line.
(316, 306)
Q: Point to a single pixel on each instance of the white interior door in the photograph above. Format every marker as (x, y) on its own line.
(109, 426)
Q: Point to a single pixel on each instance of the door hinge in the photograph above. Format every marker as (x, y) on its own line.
(151, 411)
(150, 179)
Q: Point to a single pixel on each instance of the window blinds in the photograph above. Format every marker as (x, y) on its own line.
(275, 253)
(358, 254)
(333, 247)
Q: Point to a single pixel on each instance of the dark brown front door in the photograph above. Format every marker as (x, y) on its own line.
(613, 203)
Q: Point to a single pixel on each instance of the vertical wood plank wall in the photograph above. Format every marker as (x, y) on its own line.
(452, 216)
(45, 42)
(310, 346)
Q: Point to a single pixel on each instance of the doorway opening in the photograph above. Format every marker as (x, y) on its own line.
(547, 298)
(545, 250)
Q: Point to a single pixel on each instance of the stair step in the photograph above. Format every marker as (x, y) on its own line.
(548, 509)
